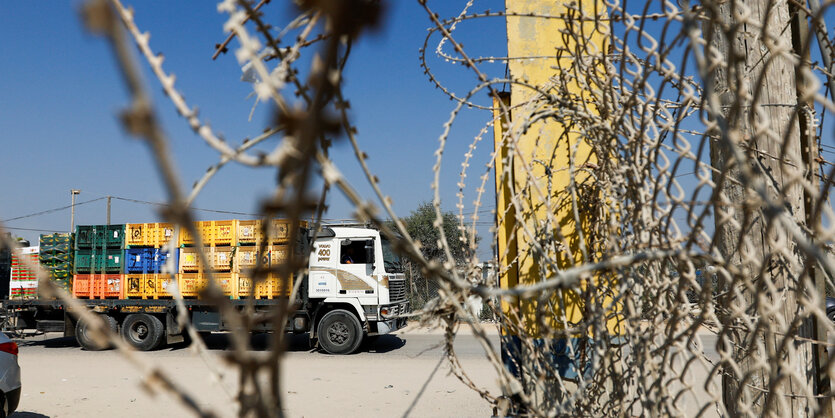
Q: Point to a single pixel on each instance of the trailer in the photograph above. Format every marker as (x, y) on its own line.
(354, 287)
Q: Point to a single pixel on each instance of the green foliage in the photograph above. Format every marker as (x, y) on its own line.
(421, 226)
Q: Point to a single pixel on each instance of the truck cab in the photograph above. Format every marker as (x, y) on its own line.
(358, 286)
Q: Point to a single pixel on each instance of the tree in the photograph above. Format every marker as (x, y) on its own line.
(420, 225)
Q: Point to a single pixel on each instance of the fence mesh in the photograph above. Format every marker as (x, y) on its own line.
(690, 273)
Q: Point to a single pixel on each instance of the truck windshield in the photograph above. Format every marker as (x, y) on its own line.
(390, 258)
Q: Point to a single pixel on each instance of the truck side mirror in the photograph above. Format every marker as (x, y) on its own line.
(369, 251)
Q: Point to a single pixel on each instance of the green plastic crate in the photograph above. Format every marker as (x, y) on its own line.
(99, 236)
(53, 259)
(98, 261)
(56, 248)
(47, 241)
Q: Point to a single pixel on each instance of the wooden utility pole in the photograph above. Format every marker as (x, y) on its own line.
(810, 155)
(756, 87)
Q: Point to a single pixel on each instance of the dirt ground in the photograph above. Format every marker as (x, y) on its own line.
(396, 376)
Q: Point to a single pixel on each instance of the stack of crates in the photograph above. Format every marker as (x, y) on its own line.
(56, 256)
(250, 240)
(145, 257)
(232, 249)
(99, 261)
(23, 283)
(127, 261)
(219, 240)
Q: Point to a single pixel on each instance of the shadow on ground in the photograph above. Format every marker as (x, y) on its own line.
(60, 342)
(24, 414)
(258, 342)
(294, 343)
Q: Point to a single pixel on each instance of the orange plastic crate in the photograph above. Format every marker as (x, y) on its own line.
(98, 286)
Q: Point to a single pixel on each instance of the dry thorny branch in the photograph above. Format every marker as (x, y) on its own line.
(697, 208)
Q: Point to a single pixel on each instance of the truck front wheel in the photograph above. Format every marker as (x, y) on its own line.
(339, 332)
(144, 332)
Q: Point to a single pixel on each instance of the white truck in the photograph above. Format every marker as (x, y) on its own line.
(354, 288)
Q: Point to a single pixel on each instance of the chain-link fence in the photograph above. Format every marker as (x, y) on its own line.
(664, 197)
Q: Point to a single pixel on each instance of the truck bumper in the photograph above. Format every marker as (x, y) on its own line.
(386, 327)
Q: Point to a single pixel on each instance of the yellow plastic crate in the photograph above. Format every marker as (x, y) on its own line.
(278, 254)
(249, 232)
(190, 284)
(148, 235)
(190, 260)
(269, 288)
(227, 284)
(147, 286)
(279, 231)
(222, 258)
(217, 233)
(245, 258)
(186, 238)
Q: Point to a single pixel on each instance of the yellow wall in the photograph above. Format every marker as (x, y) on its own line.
(539, 176)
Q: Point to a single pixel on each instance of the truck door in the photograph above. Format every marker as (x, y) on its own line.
(356, 267)
(323, 263)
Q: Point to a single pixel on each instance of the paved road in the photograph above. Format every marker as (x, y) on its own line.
(393, 375)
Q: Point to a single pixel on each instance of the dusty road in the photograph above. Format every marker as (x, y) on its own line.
(395, 375)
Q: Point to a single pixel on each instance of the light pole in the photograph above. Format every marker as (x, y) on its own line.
(73, 192)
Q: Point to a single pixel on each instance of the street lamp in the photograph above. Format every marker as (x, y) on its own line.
(73, 192)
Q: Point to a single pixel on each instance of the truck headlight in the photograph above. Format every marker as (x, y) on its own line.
(385, 311)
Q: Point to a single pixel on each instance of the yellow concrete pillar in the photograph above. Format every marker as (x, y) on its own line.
(544, 163)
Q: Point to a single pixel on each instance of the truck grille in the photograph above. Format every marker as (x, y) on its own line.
(397, 290)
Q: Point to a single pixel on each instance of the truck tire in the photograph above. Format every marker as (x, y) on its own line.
(339, 332)
(84, 339)
(144, 332)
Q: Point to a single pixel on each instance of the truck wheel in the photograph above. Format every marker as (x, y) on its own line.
(82, 334)
(339, 332)
(144, 332)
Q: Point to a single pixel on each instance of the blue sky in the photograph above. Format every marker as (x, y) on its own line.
(60, 95)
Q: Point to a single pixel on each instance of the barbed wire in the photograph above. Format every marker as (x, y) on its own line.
(657, 194)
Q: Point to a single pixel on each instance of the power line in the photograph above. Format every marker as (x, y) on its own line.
(51, 210)
(145, 202)
(33, 229)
